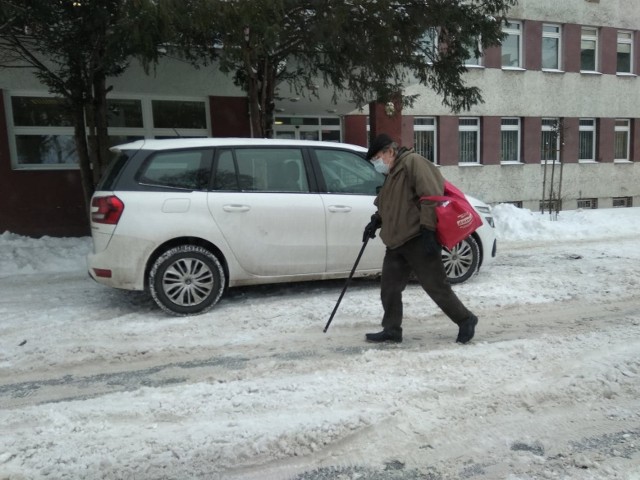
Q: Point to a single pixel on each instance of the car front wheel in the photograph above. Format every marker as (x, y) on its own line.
(462, 261)
(186, 280)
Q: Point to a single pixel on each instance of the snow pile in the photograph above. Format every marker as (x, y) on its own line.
(23, 255)
(518, 224)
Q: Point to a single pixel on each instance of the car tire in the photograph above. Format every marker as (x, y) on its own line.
(186, 280)
(462, 261)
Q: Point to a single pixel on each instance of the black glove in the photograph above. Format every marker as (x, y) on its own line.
(372, 226)
(430, 241)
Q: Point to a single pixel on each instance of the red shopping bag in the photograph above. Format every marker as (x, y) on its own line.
(457, 219)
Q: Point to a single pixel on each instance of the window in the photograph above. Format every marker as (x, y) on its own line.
(136, 118)
(589, 49)
(550, 140)
(474, 54)
(269, 169)
(178, 114)
(512, 45)
(621, 139)
(125, 113)
(587, 139)
(180, 169)
(424, 137)
(588, 203)
(46, 150)
(469, 140)
(42, 135)
(551, 47)
(550, 205)
(622, 202)
(624, 52)
(429, 44)
(510, 140)
(327, 129)
(43, 132)
(330, 129)
(346, 172)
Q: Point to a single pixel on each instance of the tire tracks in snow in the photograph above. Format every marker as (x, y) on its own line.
(309, 350)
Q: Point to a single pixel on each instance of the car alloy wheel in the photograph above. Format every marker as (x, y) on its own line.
(186, 280)
(462, 261)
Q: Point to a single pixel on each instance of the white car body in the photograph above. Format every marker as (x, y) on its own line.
(258, 236)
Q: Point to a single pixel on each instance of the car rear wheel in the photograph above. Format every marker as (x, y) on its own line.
(186, 280)
(462, 261)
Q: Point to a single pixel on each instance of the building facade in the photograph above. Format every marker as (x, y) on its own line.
(560, 120)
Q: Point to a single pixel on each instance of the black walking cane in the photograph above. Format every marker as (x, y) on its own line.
(344, 289)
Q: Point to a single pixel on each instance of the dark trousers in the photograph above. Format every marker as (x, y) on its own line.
(396, 268)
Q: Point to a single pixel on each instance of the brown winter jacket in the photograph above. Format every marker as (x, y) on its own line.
(398, 202)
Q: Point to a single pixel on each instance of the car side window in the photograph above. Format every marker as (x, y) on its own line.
(347, 172)
(271, 170)
(185, 169)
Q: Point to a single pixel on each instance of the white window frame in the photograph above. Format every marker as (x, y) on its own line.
(511, 128)
(557, 35)
(14, 131)
(517, 32)
(625, 37)
(622, 125)
(297, 129)
(146, 131)
(594, 143)
(547, 127)
(469, 128)
(587, 35)
(433, 127)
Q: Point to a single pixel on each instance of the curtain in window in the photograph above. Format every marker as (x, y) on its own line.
(620, 146)
(424, 143)
(509, 146)
(550, 53)
(469, 147)
(586, 146)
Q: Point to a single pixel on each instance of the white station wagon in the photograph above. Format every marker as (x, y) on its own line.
(188, 218)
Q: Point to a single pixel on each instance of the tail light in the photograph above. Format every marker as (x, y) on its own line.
(106, 209)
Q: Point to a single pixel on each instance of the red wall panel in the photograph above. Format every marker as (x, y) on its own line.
(39, 202)
(229, 117)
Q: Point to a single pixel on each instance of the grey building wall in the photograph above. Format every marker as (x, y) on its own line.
(535, 93)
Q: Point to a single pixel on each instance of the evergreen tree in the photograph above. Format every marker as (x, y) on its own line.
(366, 49)
(74, 46)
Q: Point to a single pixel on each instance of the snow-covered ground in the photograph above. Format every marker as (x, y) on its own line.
(100, 384)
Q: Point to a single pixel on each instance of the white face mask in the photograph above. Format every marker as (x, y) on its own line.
(380, 166)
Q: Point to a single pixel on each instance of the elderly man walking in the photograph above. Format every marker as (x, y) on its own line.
(408, 229)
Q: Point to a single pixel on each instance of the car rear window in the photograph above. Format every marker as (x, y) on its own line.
(118, 161)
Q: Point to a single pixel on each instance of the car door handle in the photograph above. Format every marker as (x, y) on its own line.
(339, 208)
(236, 208)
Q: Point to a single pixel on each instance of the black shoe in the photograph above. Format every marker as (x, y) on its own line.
(467, 329)
(384, 336)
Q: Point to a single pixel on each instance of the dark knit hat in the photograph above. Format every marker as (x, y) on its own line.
(379, 143)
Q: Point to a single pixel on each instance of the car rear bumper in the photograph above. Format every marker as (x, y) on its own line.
(122, 264)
